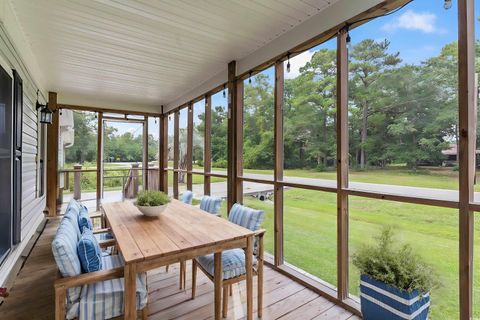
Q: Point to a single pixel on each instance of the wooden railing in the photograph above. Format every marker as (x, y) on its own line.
(130, 180)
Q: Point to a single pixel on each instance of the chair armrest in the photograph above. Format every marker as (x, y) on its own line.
(91, 277)
(107, 243)
(97, 214)
(259, 234)
(103, 230)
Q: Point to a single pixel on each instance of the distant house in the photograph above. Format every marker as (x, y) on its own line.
(451, 156)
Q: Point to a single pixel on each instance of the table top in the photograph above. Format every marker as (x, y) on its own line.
(179, 228)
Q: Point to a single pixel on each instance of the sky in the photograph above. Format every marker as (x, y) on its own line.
(418, 31)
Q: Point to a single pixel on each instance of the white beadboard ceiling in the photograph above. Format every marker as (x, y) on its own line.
(142, 54)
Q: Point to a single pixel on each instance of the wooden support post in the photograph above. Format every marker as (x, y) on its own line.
(466, 109)
(52, 156)
(145, 155)
(207, 154)
(342, 165)
(232, 132)
(189, 146)
(163, 156)
(134, 175)
(278, 169)
(176, 152)
(77, 182)
(100, 159)
(239, 142)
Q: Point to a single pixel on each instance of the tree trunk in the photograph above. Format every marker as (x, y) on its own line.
(182, 165)
(363, 135)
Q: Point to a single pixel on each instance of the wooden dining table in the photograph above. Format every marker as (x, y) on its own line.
(180, 233)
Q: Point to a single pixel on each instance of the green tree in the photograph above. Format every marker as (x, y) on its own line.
(258, 123)
(369, 61)
(310, 112)
(84, 147)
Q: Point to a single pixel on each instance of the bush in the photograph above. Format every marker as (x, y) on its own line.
(221, 163)
(152, 198)
(398, 266)
(321, 167)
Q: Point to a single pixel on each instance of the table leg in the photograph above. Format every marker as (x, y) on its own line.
(218, 278)
(130, 277)
(249, 267)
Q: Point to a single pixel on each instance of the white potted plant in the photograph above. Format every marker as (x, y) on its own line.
(395, 282)
(151, 202)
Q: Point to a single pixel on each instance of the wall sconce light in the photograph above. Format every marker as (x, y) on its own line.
(46, 115)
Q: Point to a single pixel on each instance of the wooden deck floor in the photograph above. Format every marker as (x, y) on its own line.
(31, 296)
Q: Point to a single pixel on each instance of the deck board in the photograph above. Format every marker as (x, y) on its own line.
(32, 296)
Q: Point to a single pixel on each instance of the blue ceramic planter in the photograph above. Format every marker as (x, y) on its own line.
(381, 302)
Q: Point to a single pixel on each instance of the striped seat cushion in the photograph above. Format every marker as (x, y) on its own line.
(211, 204)
(187, 197)
(233, 263)
(246, 217)
(64, 249)
(105, 300)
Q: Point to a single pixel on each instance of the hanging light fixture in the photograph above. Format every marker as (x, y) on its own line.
(288, 63)
(46, 115)
(447, 4)
(224, 95)
(250, 77)
(348, 39)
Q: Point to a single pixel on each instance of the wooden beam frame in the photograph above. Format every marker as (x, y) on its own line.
(232, 134)
(107, 110)
(189, 146)
(467, 121)
(176, 151)
(145, 154)
(52, 156)
(342, 165)
(207, 154)
(99, 159)
(239, 141)
(163, 156)
(278, 168)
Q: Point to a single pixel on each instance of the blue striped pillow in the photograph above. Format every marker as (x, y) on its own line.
(89, 252)
(84, 220)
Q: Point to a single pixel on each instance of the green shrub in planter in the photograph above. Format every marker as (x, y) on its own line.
(152, 198)
(395, 281)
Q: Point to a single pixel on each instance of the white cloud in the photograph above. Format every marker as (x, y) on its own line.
(410, 20)
(296, 63)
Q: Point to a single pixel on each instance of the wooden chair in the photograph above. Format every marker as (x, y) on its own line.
(208, 204)
(233, 261)
(187, 197)
(89, 295)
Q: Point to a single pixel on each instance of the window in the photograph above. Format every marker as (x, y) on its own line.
(6, 167)
(403, 109)
(309, 116)
(258, 124)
